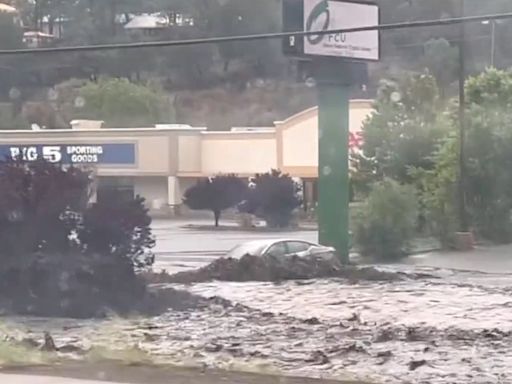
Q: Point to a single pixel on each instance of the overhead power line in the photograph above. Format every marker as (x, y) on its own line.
(263, 36)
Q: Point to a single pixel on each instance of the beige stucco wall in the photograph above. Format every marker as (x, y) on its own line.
(300, 141)
(297, 138)
(190, 154)
(240, 153)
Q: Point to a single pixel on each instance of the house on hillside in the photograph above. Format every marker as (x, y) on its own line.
(153, 24)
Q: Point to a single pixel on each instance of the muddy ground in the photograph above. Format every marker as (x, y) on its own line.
(161, 375)
(446, 327)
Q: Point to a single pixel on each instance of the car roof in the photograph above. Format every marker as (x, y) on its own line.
(262, 242)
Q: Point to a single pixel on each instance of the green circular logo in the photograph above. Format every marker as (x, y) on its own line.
(322, 8)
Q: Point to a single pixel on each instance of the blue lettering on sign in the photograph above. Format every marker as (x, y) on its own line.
(119, 154)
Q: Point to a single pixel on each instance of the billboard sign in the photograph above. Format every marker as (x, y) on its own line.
(324, 15)
(74, 154)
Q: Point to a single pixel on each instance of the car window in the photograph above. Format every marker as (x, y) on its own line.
(276, 250)
(297, 246)
(253, 249)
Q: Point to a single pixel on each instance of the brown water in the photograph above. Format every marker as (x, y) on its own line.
(460, 325)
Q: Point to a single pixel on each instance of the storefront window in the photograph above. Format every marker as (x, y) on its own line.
(121, 186)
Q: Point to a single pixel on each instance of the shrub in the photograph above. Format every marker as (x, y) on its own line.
(387, 222)
(62, 257)
(273, 197)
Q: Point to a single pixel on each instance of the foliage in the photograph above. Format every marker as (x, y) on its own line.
(387, 222)
(441, 59)
(272, 196)
(404, 129)
(488, 158)
(491, 88)
(118, 228)
(489, 154)
(438, 192)
(121, 103)
(60, 256)
(216, 194)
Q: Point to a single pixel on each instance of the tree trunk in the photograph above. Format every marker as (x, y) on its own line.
(216, 215)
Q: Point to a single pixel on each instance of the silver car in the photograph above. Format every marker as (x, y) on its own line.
(280, 248)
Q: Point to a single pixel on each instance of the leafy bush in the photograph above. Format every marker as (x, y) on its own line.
(387, 222)
(216, 194)
(62, 257)
(273, 197)
(438, 193)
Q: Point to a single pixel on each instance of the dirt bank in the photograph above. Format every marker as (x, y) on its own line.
(251, 268)
(108, 371)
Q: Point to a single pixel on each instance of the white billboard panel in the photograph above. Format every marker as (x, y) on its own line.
(323, 15)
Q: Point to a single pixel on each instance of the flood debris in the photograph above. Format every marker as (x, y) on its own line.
(318, 357)
(49, 343)
(415, 364)
(261, 268)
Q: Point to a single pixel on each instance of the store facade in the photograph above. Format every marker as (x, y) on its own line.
(161, 163)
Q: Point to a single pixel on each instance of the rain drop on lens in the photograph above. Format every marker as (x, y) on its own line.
(396, 97)
(53, 94)
(14, 93)
(310, 82)
(327, 170)
(79, 102)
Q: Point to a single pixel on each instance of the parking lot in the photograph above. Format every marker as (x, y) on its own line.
(182, 245)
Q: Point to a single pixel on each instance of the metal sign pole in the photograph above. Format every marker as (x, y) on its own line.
(333, 176)
(338, 63)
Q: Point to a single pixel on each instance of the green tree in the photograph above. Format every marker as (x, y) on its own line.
(441, 59)
(121, 103)
(403, 132)
(387, 222)
(437, 190)
(488, 150)
(489, 153)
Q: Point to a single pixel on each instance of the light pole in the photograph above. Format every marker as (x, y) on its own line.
(463, 219)
(493, 24)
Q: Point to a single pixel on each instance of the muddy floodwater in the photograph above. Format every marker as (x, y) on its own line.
(455, 328)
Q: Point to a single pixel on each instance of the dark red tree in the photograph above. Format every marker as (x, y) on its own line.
(272, 196)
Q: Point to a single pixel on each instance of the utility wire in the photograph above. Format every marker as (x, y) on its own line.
(264, 36)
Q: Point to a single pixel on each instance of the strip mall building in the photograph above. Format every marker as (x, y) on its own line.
(160, 163)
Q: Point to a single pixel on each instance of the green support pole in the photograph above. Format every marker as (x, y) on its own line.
(333, 169)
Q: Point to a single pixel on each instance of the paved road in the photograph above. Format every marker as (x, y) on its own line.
(179, 248)
(491, 259)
